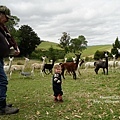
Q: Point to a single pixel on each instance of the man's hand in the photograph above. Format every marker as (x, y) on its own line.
(17, 52)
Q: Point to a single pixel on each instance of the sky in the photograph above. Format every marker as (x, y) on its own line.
(97, 20)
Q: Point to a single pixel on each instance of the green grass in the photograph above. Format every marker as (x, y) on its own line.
(90, 97)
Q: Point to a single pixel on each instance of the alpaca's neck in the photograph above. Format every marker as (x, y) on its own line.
(77, 61)
(106, 61)
(24, 65)
(114, 59)
(10, 64)
(53, 62)
(43, 62)
(81, 62)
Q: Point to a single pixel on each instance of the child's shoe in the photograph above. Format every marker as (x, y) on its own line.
(55, 99)
(60, 100)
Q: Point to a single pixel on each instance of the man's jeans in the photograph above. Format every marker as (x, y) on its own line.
(3, 81)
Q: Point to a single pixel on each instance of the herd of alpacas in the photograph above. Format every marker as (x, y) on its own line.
(71, 68)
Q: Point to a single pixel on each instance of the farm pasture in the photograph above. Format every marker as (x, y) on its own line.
(89, 97)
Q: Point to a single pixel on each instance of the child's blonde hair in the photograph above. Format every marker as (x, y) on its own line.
(57, 67)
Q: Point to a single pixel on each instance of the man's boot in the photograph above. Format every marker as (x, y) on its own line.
(9, 105)
(4, 109)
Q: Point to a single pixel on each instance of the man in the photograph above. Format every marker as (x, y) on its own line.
(6, 41)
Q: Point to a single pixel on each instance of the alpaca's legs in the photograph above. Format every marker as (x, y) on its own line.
(104, 71)
(96, 70)
(62, 73)
(74, 75)
(107, 71)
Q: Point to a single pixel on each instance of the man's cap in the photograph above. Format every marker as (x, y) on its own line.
(6, 11)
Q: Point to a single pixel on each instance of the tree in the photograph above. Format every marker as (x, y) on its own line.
(64, 41)
(28, 40)
(100, 54)
(78, 44)
(12, 25)
(51, 53)
(115, 46)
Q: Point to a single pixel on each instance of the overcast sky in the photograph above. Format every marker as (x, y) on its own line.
(97, 20)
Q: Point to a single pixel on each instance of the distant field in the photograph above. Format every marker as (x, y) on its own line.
(92, 49)
(88, 52)
(46, 45)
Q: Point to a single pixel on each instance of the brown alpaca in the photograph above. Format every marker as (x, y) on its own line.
(70, 66)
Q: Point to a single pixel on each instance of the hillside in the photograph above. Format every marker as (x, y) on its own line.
(45, 45)
(92, 49)
(88, 52)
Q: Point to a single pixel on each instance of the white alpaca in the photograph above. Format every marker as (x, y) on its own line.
(89, 65)
(112, 64)
(26, 73)
(20, 67)
(39, 65)
(65, 60)
(117, 63)
(42, 66)
(74, 59)
(7, 68)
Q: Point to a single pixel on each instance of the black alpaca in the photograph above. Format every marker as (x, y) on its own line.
(48, 67)
(102, 64)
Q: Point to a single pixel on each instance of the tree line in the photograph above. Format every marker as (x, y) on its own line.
(28, 41)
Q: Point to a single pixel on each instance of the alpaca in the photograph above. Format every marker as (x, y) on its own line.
(7, 68)
(70, 67)
(89, 65)
(77, 71)
(112, 64)
(117, 64)
(24, 73)
(65, 60)
(39, 66)
(48, 67)
(74, 59)
(102, 64)
(20, 67)
(79, 65)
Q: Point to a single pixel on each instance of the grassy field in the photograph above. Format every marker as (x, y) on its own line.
(90, 97)
(92, 49)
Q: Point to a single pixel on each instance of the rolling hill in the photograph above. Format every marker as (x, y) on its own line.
(45, 45)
